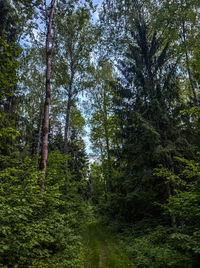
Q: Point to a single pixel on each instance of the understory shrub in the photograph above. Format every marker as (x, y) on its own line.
(39, 229)
(155, 249)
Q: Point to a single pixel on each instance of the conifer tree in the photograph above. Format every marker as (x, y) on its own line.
(146, 105)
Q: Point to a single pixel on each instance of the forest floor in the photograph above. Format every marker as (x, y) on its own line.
(102, 250)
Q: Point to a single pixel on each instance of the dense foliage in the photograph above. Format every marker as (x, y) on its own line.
(126, 74)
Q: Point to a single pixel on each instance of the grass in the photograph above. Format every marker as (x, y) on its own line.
(102, 250)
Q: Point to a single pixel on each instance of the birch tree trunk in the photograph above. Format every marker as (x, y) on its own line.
(45, 127)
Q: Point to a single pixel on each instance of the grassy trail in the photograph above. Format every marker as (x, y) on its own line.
(102, 251)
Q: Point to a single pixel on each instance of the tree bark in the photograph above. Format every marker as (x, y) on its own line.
(38, 149)
(45, 127)
(105, 124)
(69, 104)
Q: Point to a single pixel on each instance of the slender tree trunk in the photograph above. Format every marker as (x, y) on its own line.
(69, 104)
(108, 175)
(39, 134)
(45, 127)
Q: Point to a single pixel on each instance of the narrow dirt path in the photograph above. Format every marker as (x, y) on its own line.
(102, 251)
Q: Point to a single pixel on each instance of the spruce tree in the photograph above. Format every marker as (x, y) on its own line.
(148, 96)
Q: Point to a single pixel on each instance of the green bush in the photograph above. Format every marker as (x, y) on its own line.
(154, 250)
(35, 229)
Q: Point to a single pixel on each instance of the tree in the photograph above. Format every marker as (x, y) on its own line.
(97, 185)
(8, 19)
(32, 104)
(8, 79)
(49, 12)
(183, 38)
(147, 107)
(103, 122)
(76, 40)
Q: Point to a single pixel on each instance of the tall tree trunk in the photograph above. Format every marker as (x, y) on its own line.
(105, 124)
(66, 140)
(45, 127)
(38, 149)
(68, 112)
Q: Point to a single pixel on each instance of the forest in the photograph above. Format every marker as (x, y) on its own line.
(100, 133)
